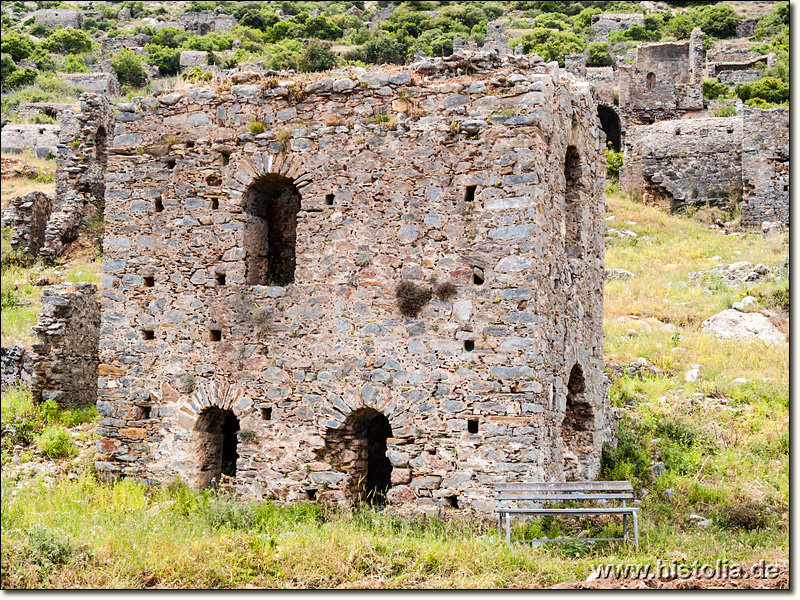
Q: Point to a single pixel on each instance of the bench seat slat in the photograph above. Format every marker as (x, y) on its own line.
(576, 486)
(569, 511)
(503, 496)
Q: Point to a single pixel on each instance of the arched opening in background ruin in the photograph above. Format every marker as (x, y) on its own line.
(205, 29)
(577, 428)
(650, 81)
(610, 124)
(359, 450)
(271, 204)
(573, 209)
(216, 443)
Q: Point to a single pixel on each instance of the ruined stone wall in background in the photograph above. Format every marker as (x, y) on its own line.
(696, 161)
(27, 216)
(765, 166)
(606, 23)
(65, 355)
(493, 182)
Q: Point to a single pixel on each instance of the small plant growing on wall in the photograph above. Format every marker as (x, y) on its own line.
(445, 291)
(411, 298)
(256, 127)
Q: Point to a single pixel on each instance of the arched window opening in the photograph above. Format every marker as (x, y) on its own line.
(650, 82)
(610, 124)
(573, 205)
(359, 450)
(577, 428)
(215, 439)
(271, 205)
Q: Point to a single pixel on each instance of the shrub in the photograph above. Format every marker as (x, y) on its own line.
(45, 548)
(317, 56)
(10, 258)
(411, 298)
(256, 127)
(8, 298)
(630, 459)
(75, 64)
(168, 60)
(613, 163)
(714, 89)
(599, 55)
(42, 119)
(445, 291)
(258, 20)
(17, 44)
(7, 67)
(767, 89)
(725, 111)
(223, 511)
(128, 67)
(381, 48)
(322, 28)
(55, 442)
(549, 44)
(20, 78)
(719, 21)
(68, 41)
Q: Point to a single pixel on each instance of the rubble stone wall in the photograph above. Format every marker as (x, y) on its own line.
(39, 139)
(605, 24)
(28, 220)
(66, 17)
(96, 83)
(676, 163)
(401, 176)
(65, 355)
(765, 166)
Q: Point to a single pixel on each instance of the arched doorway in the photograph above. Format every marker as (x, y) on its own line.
(577, 428)
(610, 124)
(215, 441)
(271, 204)
(359, 450)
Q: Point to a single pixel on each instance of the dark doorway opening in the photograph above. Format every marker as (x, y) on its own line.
(271, 205)
(216, 445)
(577, 428)
(369, 470)
(610, 124)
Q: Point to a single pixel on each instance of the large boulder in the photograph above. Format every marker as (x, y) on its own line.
(735, 325)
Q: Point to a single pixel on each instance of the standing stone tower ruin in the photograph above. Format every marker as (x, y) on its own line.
(257, 232)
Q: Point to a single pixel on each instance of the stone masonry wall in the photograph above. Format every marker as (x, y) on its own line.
(27, 216)
(675, 163)
(39, 139)
(65, 17)
(605, 24)
(65, 353)
(765, 166)
(401, 176)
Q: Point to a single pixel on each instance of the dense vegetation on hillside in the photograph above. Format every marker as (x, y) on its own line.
(285, 35)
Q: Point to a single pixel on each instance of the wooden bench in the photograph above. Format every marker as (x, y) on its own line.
(510, 496)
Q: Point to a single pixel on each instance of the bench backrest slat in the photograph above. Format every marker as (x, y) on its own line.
(573, 486)
(568, 496)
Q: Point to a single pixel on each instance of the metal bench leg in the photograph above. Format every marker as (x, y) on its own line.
(636, 530)
(500, 525)
(508, 528)
(625, 527)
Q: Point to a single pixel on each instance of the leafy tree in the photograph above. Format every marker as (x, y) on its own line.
(135, 6)
(551, 21)
(637, 33)
(168, 60)
(128, 67)
(282, 30)
(40, 30)
(599, 55)
(767, 89)
(284, 55)
(493, 10)
(381, 48)
(719, 21)
(213, 42)
(317, 56)
(75, 64)
(775, 22)
(20, 78)
(436, 43)
(18, 45)
(713, 90)
(322, 28)
(406, 20)
(584, 18)
(241, 8)
(550, 45)
(680, 26)
(68, 41)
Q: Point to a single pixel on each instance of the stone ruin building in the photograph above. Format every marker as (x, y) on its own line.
(205, 22)
(666, 82)
(603, 24)
(732, 63)
(250, 324)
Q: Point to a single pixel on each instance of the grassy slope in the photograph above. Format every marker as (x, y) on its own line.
(724, 449)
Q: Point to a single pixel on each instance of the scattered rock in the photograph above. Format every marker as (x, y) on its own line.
(618, 274)
(693, 374)
(735, 325)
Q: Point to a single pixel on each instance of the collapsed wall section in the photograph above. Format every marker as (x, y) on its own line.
(317, 386)
(65, 355)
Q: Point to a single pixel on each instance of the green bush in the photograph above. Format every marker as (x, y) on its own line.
(767, 89)
(599, 55)
(719, 21)
(322, 28)
(168, 60)
(714, 89)
(169, 37)
(68, 41)
(550, 45)
(613, 163)
(317, 56)
(630, 459)
(55, 442)
(20, 78)
(217, 510)
(7, 67)
(75, 64)
(725, 111)
(17, 44)
(128, 67)
(46, 548)
(381, 48)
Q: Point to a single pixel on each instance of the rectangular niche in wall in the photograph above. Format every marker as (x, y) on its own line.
(573, 204)
(271, 204)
